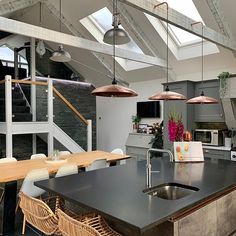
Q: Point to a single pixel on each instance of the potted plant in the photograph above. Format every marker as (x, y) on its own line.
(223, 77)
(135, 119)
(157, 140)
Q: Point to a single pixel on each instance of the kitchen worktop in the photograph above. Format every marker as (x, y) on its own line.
(117, 192)
(222, 148)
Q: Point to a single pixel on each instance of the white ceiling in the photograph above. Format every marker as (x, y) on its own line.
(74, 10)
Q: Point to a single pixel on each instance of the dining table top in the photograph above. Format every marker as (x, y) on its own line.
(18, 170)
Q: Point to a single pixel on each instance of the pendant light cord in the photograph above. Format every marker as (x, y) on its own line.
(114, 45)
(202, 94)
(167, 41)
(60, 13)
(40, 13)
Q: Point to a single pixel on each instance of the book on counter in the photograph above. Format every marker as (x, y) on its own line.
(188, 152)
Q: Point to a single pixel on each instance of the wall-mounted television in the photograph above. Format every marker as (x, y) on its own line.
(150, 109)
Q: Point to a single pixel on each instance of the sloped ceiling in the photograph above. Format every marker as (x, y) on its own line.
(74, 10)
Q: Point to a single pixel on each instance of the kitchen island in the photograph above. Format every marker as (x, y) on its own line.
(117, 193)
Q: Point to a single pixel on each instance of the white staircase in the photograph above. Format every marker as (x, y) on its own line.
(47, 131)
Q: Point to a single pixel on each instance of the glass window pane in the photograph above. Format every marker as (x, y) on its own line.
(6, 54)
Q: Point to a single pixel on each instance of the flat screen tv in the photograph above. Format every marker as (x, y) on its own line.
(149, 109)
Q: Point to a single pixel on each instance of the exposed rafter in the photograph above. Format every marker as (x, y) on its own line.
(220, 19)
(29, 30)
(75, 32)
(179, 20)
(9, 6)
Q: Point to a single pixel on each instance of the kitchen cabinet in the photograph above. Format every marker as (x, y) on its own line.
(217, 154)
(210, 112)
(180, 107)
(137, 145)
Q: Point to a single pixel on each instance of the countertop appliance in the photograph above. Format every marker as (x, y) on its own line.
(233, 154)
(212, 137)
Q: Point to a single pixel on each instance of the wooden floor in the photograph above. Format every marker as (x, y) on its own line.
(29, 231)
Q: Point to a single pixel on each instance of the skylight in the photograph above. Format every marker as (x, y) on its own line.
(187, 8)
(101, 21)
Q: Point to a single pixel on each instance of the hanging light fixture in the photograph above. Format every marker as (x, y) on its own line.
(40, 49)
(60, 55)
(167, 94)
(114, 90)
(120, 34)
(202, 99)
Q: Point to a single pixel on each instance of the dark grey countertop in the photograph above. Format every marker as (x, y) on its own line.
(117, 192)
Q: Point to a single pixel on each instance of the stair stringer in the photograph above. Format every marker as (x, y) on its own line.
(65, 140)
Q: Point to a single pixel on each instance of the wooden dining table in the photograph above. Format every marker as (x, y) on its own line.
(10, 173)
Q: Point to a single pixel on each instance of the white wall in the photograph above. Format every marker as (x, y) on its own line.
(114, 115)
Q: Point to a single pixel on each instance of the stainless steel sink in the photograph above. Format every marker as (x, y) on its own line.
(171, 191)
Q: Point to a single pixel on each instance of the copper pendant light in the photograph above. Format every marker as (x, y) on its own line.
(167, 94)
(114, 90)
(202, 99)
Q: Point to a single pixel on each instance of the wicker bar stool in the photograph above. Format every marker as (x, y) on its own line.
(84, 225)
(38, 214)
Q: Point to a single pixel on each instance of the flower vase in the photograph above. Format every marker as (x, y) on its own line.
(135, 128)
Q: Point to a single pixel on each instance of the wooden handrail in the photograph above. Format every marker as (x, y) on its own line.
(68, 104)
(29, 82)
(2, 81)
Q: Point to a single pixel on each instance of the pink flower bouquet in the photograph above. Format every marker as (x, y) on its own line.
(175, 127)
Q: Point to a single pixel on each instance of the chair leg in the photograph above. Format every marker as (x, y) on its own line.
(23, 227)
(2, 195)
(17, 206)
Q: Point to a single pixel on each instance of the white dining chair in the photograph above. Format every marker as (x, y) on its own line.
(62, 153)
(28, 186)
(68, 169)
(97, 164)
(120, 152)
(5, 160)
(38, 156)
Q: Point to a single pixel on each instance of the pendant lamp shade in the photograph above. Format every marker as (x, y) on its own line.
(120, 35)
(60, 55)
(40, 49)
(167, 94)
(202, 99)
(114, 90)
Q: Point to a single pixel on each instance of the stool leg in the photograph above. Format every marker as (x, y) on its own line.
(23, 227)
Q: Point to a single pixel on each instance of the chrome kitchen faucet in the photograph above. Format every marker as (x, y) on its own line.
(149, 166)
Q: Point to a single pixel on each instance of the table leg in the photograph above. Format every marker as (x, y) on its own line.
(7, 216)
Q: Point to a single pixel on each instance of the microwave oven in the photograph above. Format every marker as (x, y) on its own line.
(209, 136)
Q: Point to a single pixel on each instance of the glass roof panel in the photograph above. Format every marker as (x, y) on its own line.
(187, 8)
